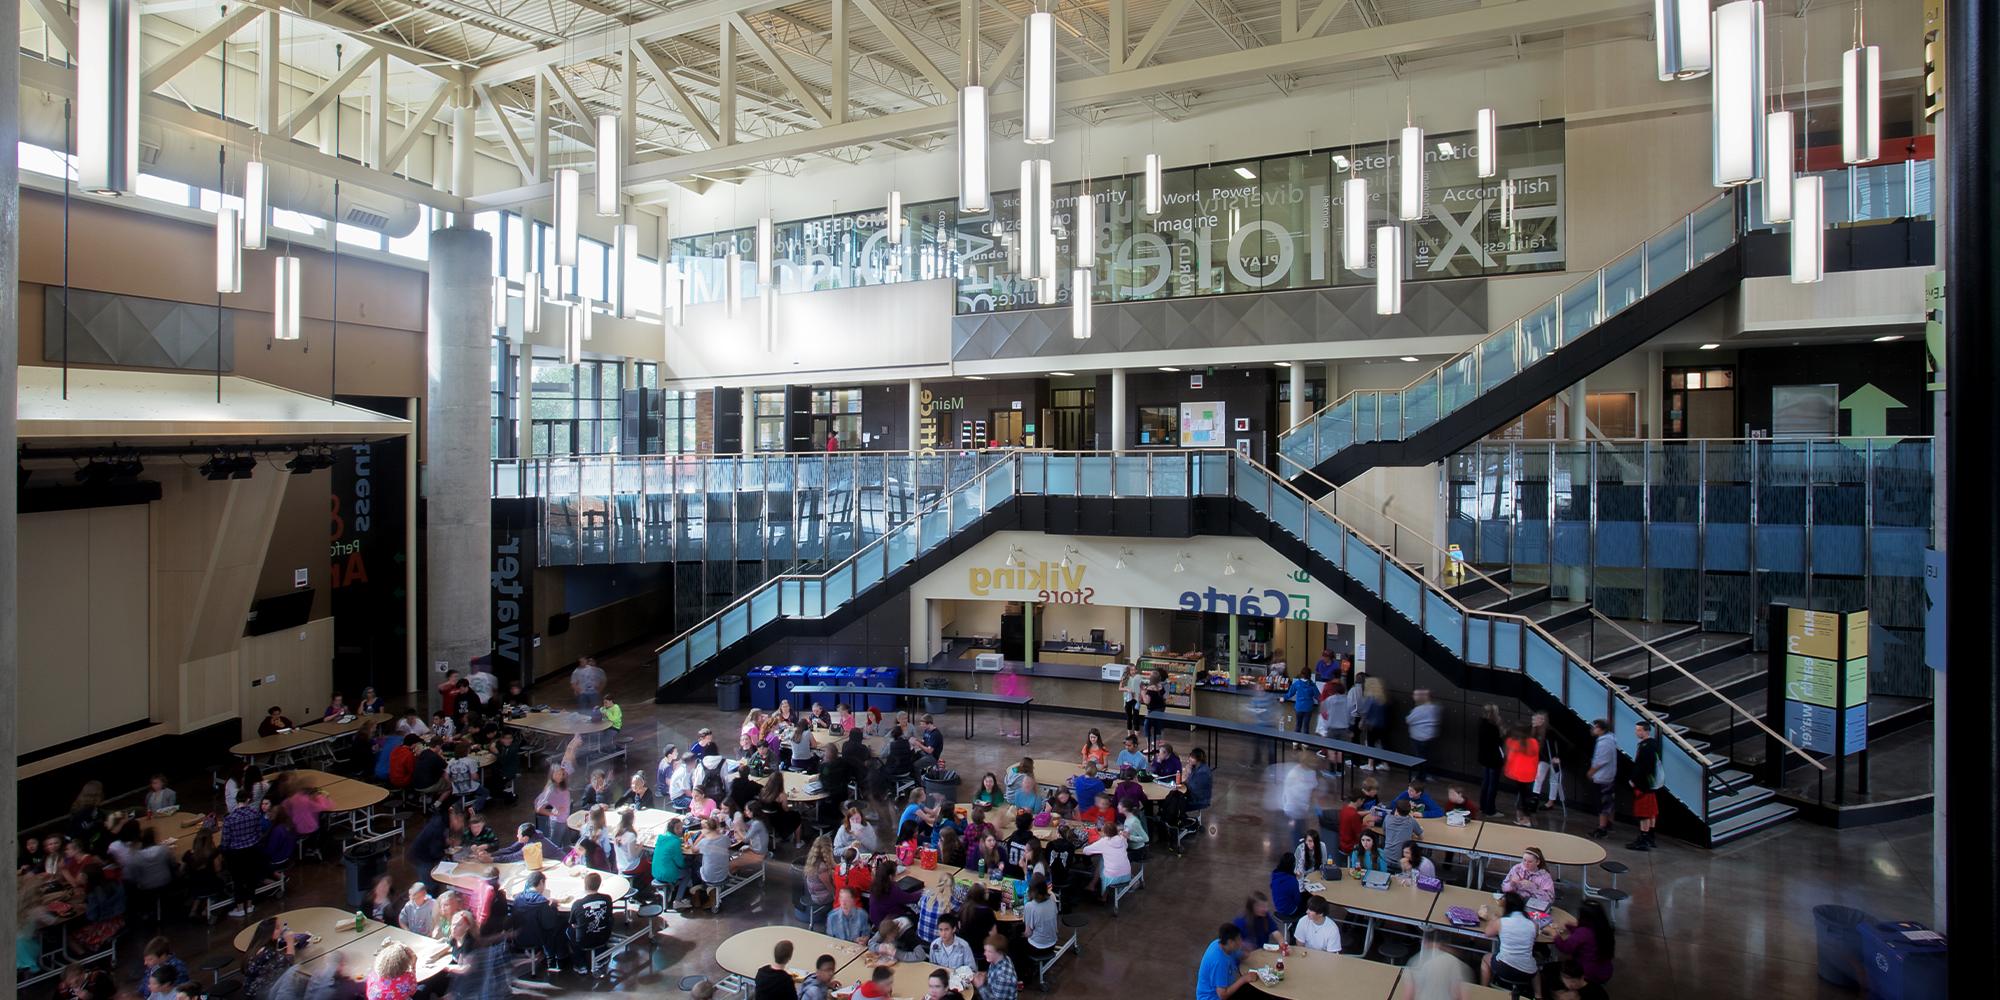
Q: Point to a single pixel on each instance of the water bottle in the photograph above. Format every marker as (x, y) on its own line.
(359, 919)
(982, 869)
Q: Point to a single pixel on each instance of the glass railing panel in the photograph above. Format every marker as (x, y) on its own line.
(1254, 489)
(1288, 511)
(627, 536)
(788, 599)
(964, 509)
(1539, 332)
(1298, 449)
(932, 530)
(1714, 228)
(1579, 308)
(1034, 474)
(506, 478)
(1060, 479)
(1496, 361)
(1406, 595)
(1367, 417)
(1420, 406)
(1686, 778)
(1094, 476)
(839, 589)
(1921, 205)
(1507, 643)
(1444, 623)
(1667, 257)
(733, 625)
(1325, 536)
(812, 598)
(998, 486)
(1390, 415)
(1322, 425)
(1544, 665)
(1129, 476)
(1169, 475)
(1624, 282)
(1479, 642)
(1589, 699)
(901, 545)
(763, 606)
(1623, 718)
(867, 568)
(1339, 430)
(701, 644)
(673, 661)
(1364, 564)
(1459, 381)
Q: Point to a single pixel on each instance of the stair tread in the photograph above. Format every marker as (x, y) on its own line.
(1740, 798)
(1749, 821)
(1722, 677)
(1716, 717)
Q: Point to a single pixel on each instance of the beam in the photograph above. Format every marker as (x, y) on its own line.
(541, 126)
(682, 20)
(327, 94)
(401, 151)
(797, 87)
(378, 119)
(58, 22)
(584, 118)
(911, 54)
(1149, 43)
(695, 119)
(1315, 23)
(726, 108)
(507, 136)
(270, 67)
(838, 99)
(190, 53)
(441, 66)
(1119, 35)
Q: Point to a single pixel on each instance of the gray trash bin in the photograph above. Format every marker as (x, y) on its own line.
(363, 863)
(937, 706)
(729, 694)
(1838, 929)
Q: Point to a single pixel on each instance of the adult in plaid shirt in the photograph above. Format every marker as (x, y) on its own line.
(242, 846)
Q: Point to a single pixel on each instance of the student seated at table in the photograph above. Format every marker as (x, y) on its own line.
(1285, 899)
(1018, 772)
(1021, 843)
(1317, 930)
(1026, 795)
(1258, 925)
(159, 955)
(820, 984)
(1512, 966)
(443, 727)
(1128, 788)
(1399, 828)
(1062, 803)
(1094, 754)
(1586, 945)
(1455, 800)
(747, 829)
(990, 793)
(419, 912)
(1530, 877)
(848, 921)
(627, 857)
(275, 722)
(1130, 756)
(1166, 763)
(1101, 810)
(597, 791)
(881, 984)
(394, 974)
(524, 835)
(1114, 863)
(536, 924)
(1421, 804)
(704, 745)
(589, 919)
(427, 774)
(159, 985)
(1132, 820)
(1371, 798)
(1411, 863)
(1367, 854)
(949, 949)
(989, 850)
(802, 756)
(712, 846)
(160, 798)
(335, 708)
(1199, 781)
(700, 806)
(895, 937)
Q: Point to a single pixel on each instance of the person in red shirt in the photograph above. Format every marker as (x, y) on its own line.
(1354, 821)
(403, 761)
(1099, 812)
(881, 983)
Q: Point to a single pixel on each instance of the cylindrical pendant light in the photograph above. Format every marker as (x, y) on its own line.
(1808, 230)
(285, 299)
(1045, 289)
(894, 218)
(1680, 38)
(1155, 184)
(975, 185)
(610, 156)
(228, 253)
(673, 293)
(625, 244)
(1354, 222)
(1736, 92)
(1489, 142)
(1083, 242)
(1778, 167)
(256, 205)
(566, 209)
(1081, 283)
(107, 90)
(500, 301)
(1410, 199)
(1507, 191)
(1388, 270)
(732, 282)
(531, 302)
(576, 330)
(1038, 79)
(766, 261)
(1861, 104)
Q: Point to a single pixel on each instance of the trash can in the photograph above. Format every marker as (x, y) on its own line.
(764, 688)
(1839, 935)
(364, 863)
(883, 677)
(789, 678)
(937, 706)
(729, 694)
(1903, 959)
(946, 789)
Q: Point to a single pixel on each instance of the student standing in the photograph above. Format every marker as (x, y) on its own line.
(1426, 718)
(1604, 776)
(1645, 783)
(1491, 751)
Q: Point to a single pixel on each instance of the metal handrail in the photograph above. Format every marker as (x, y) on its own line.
(1334, 489)
(882, 539)
(1705, 686)
(1611, 687)
(1438, 371)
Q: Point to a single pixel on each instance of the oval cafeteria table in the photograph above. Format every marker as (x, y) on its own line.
(333, 727)
(1049, 771)
(744, 952)
(565, 882)
(1318, 975)
(334, 931)
(278, 745)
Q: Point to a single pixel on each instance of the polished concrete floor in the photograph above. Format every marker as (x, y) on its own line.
(1727, 923)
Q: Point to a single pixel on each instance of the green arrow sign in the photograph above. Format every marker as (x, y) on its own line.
(1868, 411)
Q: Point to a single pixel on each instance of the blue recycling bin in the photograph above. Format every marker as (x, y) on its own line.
(882, 677)
(1903, 959)
(789, 678)
(764, 688)
(832, 677)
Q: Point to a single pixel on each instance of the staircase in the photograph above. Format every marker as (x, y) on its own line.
(1610, 312)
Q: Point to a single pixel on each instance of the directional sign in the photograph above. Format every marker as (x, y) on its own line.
(1868, 411)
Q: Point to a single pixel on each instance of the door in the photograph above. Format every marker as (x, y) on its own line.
(1006, 428)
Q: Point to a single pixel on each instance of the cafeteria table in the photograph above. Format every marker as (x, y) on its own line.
(744, 952)
(283, 749)
(647, 823)
(330, 928)
(179, 826)
(1398, 904)
(1319, 975)
(346, 724)
(565, 882)
(1050, 772)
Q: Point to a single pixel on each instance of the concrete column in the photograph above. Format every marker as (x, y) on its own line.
(1332, 394)
(464, 130)
(524, 406)
(457, 487)
(915, 410)
(1296, 377)
(10, 352)
(1579, 414)
(1118, 416)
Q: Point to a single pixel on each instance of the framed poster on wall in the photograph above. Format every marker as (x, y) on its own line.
(1243, 447)
(1203, 425)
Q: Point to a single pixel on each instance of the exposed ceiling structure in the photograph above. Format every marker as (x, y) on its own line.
(716, 90)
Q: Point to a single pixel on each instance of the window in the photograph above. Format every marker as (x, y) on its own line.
(1160, 425)
(837, 412)
(598, 401)
(677, 422)
(554, 408)
(503, 399)
(1805, 410)
(592, 270)
(769, 415)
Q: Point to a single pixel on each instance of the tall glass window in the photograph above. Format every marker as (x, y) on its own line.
(837, 412)
(769, 418)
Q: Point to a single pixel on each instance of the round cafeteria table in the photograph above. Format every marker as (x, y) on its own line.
(330, 928)
(1317, 975)
(331, 727)
(744, 952)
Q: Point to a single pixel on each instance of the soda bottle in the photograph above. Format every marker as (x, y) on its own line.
(359, 919)
(982, 869)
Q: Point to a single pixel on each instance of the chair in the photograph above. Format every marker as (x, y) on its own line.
(1397, 950)
(811, 914)
(1072, 943)
(1611, 894)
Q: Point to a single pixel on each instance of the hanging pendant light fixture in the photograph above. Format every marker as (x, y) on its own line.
(576, 330)
(228, 253)
(1777, 193)
(1507, 189)
(974, 183)
(1861, 97)
(500, 301)
(894, 218)
(285, 299)
(1488, 139)
(1155, 183)
(1082, 282)
(256, 205)
(1028, 224)
(766, 262)
(1410, 197)
(107, 86)
(673, 294)
(1354, 222)
(732, 281)
(625, 248)
(1808, 243)
(1681, 38)
(1038, 79)
(1083, 242)
(609, 165)
(566, 210)
(1388, 270)
(531, 302)
(1736, 92)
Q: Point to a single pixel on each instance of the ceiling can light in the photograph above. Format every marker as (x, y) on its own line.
(1388, 270)
(1354, 222)
(285, 299)
(609, 165)
(1710, 347)
(1410, 199)
(1246, 173)
(1681, 38)
(256, 205)
(1409, 358)
(228, 252)
(1777, 167)
(1082, 282)
(1038, 79)
(565, 211)
(1861, 103)
(1808, 230)
(974, 180)
(1168, 368)
(1736, 92)
(1487, 125)
(107, 90)
(1888, 337)
(1155, 184)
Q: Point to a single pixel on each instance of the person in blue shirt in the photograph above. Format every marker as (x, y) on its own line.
(1221, 973)
(1420, 802)
(1325, 668)
(1367, 854)
(1130, 755)
(1285, 899)
(1304, 696)
(1258, 925)
(1199, 781)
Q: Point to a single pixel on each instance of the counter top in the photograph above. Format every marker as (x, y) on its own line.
(1063, 671)
(1074, 646)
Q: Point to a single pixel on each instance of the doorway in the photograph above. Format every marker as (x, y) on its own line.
(1701, 402)
(1006, 429)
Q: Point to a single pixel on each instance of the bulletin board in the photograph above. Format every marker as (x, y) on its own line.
(1204, 425)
